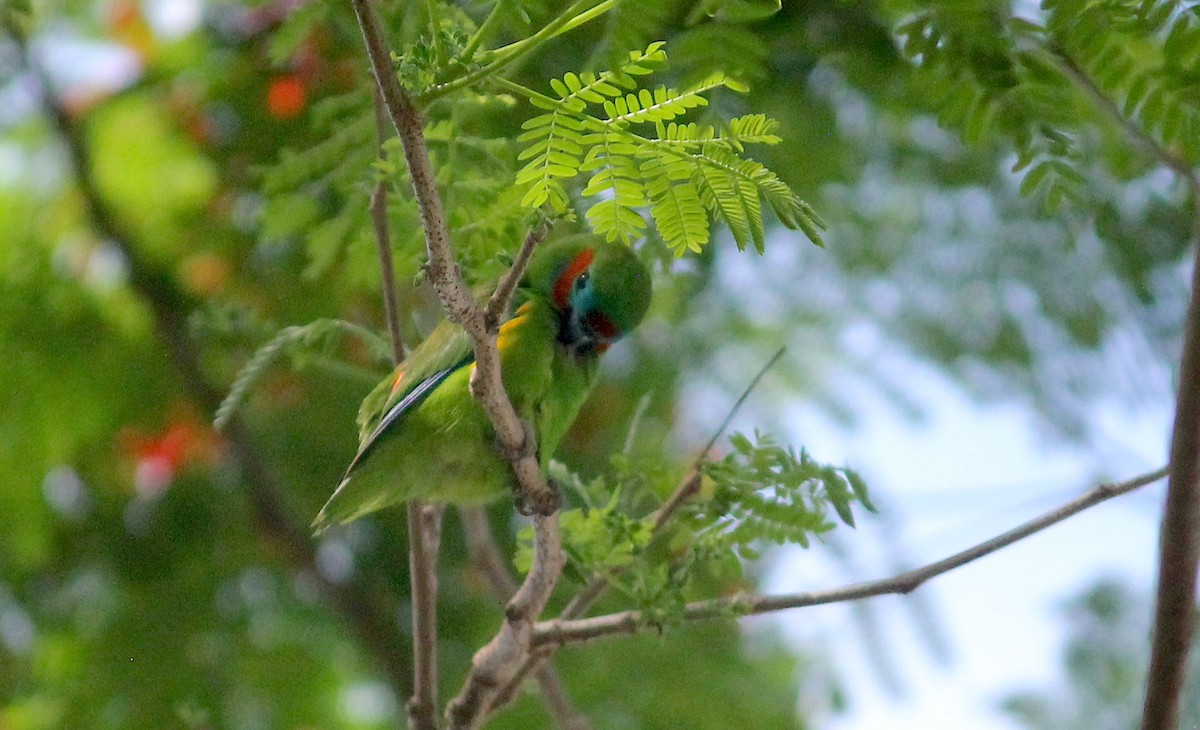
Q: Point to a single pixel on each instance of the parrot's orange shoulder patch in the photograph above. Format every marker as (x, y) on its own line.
(508, 330)
(396, 383)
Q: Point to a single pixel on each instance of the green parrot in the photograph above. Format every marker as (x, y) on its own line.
(422, 434)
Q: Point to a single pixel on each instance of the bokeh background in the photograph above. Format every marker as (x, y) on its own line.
(980, 351)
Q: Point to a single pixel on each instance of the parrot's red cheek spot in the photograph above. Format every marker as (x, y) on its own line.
(603, 326)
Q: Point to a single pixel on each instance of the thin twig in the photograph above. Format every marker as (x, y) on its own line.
(486, 556)
(558, 632)
(366, 610)
(737, 404)
(379, 219)
(688, 487)
(635, 424)
(497, 306)
(424, 536)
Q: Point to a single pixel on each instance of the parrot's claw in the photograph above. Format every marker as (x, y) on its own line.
(542, 503)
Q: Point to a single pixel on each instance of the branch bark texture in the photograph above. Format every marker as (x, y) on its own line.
(1179, 536)
(486, 556)
(504, 653)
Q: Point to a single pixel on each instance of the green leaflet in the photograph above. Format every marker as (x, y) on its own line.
(1036, 83)
(761, 493)
(639, 156)
(315, 336)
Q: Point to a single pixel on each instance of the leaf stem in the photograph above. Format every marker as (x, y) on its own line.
(435, 33)
(485, 29)
(571, 23)
(575, 15)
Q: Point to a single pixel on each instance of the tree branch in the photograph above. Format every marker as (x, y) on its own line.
(1179, 536)
(497, 306)
(366, 611)
(486, 556)
(688, 488)
(423, 523)
(598, 584)
(444, 275)
(559, 631)
(383, 240)
(504, 653)
(497, 662)
(424, 536)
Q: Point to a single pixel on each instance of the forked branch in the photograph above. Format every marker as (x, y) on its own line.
(492, 662)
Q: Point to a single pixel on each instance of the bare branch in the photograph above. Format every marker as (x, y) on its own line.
(499, 661)
(504, 653)
(424, 536)
(737, 406)
(558, 631)
(497, 306)
(443, 273)
(596, 587)
(687, 489)
(379, 219)
(1179, 537)
(486, 555)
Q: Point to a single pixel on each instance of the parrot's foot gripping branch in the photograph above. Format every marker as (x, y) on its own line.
(542, 503)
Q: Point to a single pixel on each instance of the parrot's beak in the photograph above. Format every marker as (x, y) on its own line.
(578, 336)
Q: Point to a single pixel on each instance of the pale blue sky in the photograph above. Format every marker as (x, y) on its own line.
(964, 474)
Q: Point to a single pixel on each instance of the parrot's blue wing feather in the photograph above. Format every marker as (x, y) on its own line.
(411, 400)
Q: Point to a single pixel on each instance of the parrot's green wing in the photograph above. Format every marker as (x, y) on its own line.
(445, 350)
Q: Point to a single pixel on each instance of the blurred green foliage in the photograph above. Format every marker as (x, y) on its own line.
(139, 586)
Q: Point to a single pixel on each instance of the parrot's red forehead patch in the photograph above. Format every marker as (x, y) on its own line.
(578, 265)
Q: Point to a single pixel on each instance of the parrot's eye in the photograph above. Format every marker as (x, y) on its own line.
(581, 282)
